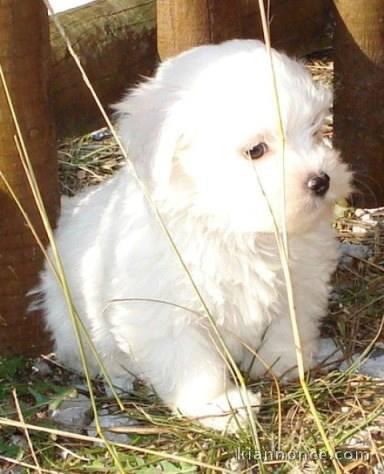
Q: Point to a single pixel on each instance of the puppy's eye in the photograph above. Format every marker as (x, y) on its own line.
(257, 151)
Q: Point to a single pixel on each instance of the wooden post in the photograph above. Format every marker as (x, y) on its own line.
(116, 43)
(359, 94)
(182, 24)
(24, 56)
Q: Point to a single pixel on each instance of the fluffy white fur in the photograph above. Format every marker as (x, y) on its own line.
(188, 131)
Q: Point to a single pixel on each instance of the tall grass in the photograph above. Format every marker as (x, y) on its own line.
(282, 239)
(310, 393)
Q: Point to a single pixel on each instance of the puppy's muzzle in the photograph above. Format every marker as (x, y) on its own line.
(318, 184)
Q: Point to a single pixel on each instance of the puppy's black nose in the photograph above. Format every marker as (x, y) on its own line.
(319, 184)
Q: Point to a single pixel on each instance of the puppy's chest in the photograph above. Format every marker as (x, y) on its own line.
(240, 283)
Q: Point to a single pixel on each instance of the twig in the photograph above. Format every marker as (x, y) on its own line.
(17, 462)
(94, 439)
(22, 421)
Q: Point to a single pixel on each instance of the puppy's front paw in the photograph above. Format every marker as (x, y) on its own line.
(228, 411)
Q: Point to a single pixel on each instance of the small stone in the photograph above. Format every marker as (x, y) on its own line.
(81, 174)
(108, 420)
(122, 385)
(367, 219)
(74, 412)
(234, 465)
(100, 135)
(355, 250)
(358, 441)
(334, 295)
(378, 351)
(359, 212)
(346, 364)
(372, 367)
(19, 441)
(41, 367)
(81, 387)
(359, 230)
(350, 251)
(329, 354)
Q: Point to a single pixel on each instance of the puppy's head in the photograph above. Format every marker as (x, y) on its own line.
(205, 134)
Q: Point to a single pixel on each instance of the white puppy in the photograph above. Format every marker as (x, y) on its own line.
(205, 138)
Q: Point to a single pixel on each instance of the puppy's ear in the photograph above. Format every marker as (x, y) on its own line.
(148, 129)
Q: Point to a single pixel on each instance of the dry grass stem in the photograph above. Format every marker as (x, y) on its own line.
(28, 438)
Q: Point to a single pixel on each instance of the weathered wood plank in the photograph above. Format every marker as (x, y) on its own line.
(116, 42)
